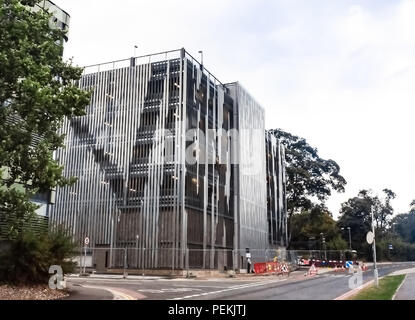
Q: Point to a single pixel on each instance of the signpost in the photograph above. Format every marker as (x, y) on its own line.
(373, 241)
(369, 237)
(349, 266)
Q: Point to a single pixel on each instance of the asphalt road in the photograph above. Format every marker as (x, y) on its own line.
(327, 286)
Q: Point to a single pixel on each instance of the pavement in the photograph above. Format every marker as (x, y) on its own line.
(327, 285)
(407, 290)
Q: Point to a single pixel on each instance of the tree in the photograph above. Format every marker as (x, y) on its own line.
(404, 226)
(37, 91)
(356, 213)
(309, 225)
(308, 175)
(384, 210)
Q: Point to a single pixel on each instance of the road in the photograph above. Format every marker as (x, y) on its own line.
(327, 286)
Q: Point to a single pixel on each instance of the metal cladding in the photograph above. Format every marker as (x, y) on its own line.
(60, 18)
(156, 157)
(252, 202)
(276, 191)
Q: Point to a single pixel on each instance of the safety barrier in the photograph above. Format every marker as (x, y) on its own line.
(339, 269)
(271, 267)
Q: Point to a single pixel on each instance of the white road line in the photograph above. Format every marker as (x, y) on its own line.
(197, 286)
(118, 295)
(251, 285)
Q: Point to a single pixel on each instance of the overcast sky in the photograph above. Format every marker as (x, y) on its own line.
(339, 73)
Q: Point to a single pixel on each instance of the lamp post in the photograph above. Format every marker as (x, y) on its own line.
(323, 241)
(350, 237)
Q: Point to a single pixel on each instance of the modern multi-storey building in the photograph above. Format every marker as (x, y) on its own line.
(171, 166)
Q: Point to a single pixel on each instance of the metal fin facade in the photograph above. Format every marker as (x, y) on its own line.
(157, 164)
(276, 191)
(252, 231)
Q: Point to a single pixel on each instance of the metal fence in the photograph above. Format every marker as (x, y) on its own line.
(114, 260)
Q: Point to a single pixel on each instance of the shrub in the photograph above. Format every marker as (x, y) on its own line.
(26, 260)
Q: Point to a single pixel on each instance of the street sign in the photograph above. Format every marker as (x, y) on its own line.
(370, 237)
(86, 241)
(390, 247)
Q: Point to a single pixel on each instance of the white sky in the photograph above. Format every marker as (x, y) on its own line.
(339, 73)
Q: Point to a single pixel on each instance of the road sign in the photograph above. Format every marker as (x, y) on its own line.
(390, 247)
(349, 264)
(86, 241)
(370, 237)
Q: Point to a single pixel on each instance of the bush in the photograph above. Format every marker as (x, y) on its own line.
(402, 251)
(26, 260)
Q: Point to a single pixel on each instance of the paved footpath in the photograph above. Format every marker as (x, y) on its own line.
(407, 290)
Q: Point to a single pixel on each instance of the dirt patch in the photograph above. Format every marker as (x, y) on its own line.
(8, 292)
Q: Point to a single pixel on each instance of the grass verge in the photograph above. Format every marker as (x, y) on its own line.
(385, 291)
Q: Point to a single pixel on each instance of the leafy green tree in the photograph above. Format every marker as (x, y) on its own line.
(37, 91)
(309, 177)
(356, 213)
(308, 227)
(404, 226)
(384, 210)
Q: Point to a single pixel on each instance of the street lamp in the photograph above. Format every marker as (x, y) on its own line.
(350, 237)
(323, 240)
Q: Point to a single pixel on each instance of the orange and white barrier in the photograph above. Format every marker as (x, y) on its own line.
(339, 269)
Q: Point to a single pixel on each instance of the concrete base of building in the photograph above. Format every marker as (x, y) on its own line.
(191, 273)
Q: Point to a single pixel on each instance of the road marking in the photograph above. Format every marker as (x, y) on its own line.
(168, 290)
(251, 285)
(200, 286)
(117, 294)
